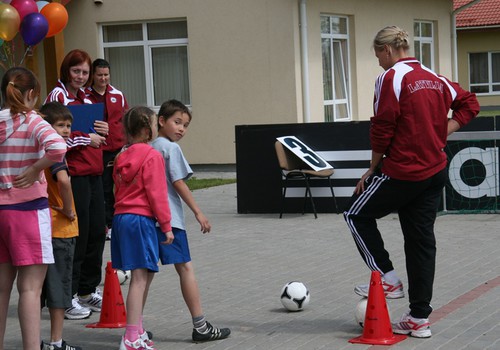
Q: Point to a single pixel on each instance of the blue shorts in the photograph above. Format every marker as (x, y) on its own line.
(134, 244)
(178, 251)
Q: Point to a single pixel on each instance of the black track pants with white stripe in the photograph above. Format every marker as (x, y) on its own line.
(416, 203)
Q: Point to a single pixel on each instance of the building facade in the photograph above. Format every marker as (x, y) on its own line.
(478, 42)
(240, 62)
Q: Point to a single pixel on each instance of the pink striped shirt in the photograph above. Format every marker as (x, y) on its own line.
(24, 139)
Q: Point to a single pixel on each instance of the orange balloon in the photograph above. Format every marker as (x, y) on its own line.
(57, 16)
(9, 22)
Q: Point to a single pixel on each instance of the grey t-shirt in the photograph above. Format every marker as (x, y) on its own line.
(177, 168)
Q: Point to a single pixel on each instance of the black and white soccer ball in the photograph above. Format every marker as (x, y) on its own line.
(295, 296)
(123, 276)
(360, 312)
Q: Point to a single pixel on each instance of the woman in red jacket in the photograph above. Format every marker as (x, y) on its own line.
(115, 106)
(407, 172)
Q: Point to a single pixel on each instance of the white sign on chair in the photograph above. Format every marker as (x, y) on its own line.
(304, 152)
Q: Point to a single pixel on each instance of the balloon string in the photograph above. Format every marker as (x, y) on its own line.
(7, 54)
(3, 57)
(24, 56)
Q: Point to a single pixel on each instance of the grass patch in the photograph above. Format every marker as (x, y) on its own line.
(488, 113)
(197, 184)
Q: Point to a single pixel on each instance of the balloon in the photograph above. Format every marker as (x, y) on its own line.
(41, 4)
(9, 22)
(33, 29)
(24, 7)
(57, 16)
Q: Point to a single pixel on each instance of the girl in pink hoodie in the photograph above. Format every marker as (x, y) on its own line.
(141, 203)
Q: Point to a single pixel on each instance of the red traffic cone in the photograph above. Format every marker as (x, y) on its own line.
(113, 314)
(377, 328)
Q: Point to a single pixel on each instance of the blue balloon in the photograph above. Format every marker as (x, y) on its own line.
(41, 4)
(34, 27)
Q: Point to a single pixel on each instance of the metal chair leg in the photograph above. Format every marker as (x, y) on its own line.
(283, 195)
(333, 196)
(308, 189)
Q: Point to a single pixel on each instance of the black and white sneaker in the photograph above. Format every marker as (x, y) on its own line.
(212, 333)
(93, 301)
(76, 311)
(64, 346)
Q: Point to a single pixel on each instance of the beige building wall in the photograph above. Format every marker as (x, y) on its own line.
(244, 56)
(366, 19)
(470, 41)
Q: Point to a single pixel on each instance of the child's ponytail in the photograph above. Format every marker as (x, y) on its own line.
(16, 83)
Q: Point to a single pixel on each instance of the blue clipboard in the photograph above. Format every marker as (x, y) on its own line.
(85, 115)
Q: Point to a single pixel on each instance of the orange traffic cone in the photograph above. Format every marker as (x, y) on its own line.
(113, 314)
(377, 328)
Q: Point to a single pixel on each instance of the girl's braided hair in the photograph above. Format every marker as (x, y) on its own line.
(136, 119)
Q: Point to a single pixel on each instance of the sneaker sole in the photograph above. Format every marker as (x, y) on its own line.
(211, 338)
(419, 334)
(77, 317)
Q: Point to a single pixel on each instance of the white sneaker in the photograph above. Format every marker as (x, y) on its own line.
(93, 301)
(108, 234)
(391, 291)
(76, 311)
(137, 344)
(416, 327)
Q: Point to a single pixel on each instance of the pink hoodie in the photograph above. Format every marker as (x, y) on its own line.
(140, 186)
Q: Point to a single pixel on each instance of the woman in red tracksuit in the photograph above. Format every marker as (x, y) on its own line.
(85, 166)
(407, 172)
(116, 106)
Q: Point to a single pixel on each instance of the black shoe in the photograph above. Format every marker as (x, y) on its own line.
(64, 346)
(150, 335)
(212, 333)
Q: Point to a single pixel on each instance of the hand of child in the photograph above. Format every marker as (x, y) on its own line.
(96, 140)
(27, 178)
(101, 127)
(204, 224)
(69, 213)
(169, 239)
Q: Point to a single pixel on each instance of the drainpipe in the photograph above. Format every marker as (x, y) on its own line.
(305, 62)
(454, 36)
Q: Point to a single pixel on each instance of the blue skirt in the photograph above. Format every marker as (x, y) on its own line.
(134, 244)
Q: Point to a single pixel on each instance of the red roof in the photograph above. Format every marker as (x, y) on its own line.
(483, 13)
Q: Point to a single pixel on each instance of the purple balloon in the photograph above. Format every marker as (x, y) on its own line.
(34, 28)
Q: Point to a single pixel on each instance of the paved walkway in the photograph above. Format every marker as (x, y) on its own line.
(242, 265)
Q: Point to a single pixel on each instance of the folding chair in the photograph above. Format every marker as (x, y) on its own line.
(292, 168)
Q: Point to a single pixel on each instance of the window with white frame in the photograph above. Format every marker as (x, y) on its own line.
(484, 72)
(423, 41)
(335, 57)
(149, 61)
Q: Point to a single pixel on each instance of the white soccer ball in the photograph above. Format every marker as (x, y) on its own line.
(295, 296)
(360, 312)
(123, 276)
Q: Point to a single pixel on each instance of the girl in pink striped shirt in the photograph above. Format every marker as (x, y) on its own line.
(28, 145)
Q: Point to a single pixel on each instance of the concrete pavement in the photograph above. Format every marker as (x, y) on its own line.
(242, 265)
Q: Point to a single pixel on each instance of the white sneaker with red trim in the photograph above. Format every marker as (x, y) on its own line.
(416, 327)
(391, 291)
